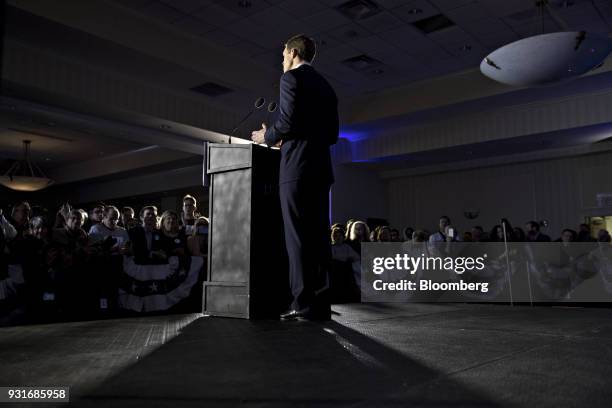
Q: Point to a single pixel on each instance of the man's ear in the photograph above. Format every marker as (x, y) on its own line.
(293, 52)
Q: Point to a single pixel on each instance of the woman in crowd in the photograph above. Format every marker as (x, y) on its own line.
(174, 240)
(356, 234)
(382, 234)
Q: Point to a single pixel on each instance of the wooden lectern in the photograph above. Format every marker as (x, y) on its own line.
(247, 262)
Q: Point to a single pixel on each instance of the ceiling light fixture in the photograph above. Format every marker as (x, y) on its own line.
(547, 58)
(24, 175)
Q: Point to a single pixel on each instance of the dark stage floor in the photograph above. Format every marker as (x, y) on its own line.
(371, 355)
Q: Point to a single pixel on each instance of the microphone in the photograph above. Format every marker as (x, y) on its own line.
(271, 109)
(259, 103)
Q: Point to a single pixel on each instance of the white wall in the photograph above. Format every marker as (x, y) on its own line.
(562, 191)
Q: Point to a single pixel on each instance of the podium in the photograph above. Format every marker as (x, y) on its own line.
(247, 262)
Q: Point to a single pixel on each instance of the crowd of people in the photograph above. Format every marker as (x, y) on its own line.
(72, 264)
(346, 240)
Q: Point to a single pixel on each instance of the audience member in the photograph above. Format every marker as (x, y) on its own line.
(446, 232)
(174, 240)
(146, 239)
(584, 234)
(356, 234)
(518, 234)
(568, 235)
(395, 235)
(128, 220)
(478, 234)
(407, 233)
(189, 213)
(109, 231)
(532, 229)
(382, 233)
(197, 242)
(96, 214)
(71, 237)
(419, 236)
(6, 228)
(603, 236)
(20, 218)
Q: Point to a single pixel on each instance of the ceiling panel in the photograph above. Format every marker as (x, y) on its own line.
(186, 6)
(326, 20)
(301, 8)
(216, 15)
(383, 21)
(163, 12)
(349, 33)
(415, 10)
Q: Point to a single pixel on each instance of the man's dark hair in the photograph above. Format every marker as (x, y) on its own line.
(147, 207)
(305, 46)
(126, 209)
(446, 217)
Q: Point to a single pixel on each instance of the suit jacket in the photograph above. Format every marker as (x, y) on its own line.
(307, 125)
(142, 254)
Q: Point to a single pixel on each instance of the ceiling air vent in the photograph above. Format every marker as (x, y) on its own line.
(362, 63)
(433, 23)
(359, 9)
(211, 89)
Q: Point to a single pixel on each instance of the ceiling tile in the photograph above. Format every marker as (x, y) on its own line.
(416, 10)
(216, 15)
(221, 37)
(373, 44)
(501, 8)
(163, 12)
(326, 20)
(340, 53)
(451, 35)
(246, 48)
(406, 38)
(325, 40)
(244, 28)
(383, 21)
(349, 32)
(391, 4)
(234, 6)
(467, 13)
(186, 6)
(193, 25)
(498, 38)
(446, 5)
(301, 8)
(485, 26)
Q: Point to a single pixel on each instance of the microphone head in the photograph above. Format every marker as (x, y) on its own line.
(272, 106)
(259, 103)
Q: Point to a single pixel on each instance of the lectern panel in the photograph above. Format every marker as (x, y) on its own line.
(228, 157)
(230, 233)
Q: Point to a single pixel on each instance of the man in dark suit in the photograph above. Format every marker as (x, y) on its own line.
(306, 128)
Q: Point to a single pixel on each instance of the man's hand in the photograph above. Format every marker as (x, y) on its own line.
(258, 136)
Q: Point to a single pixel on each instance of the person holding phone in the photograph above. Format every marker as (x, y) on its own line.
(446, 232)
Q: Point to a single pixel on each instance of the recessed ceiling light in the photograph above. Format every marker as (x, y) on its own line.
(244, 4)
(378, 71)
(466, 48)
(415, 11)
